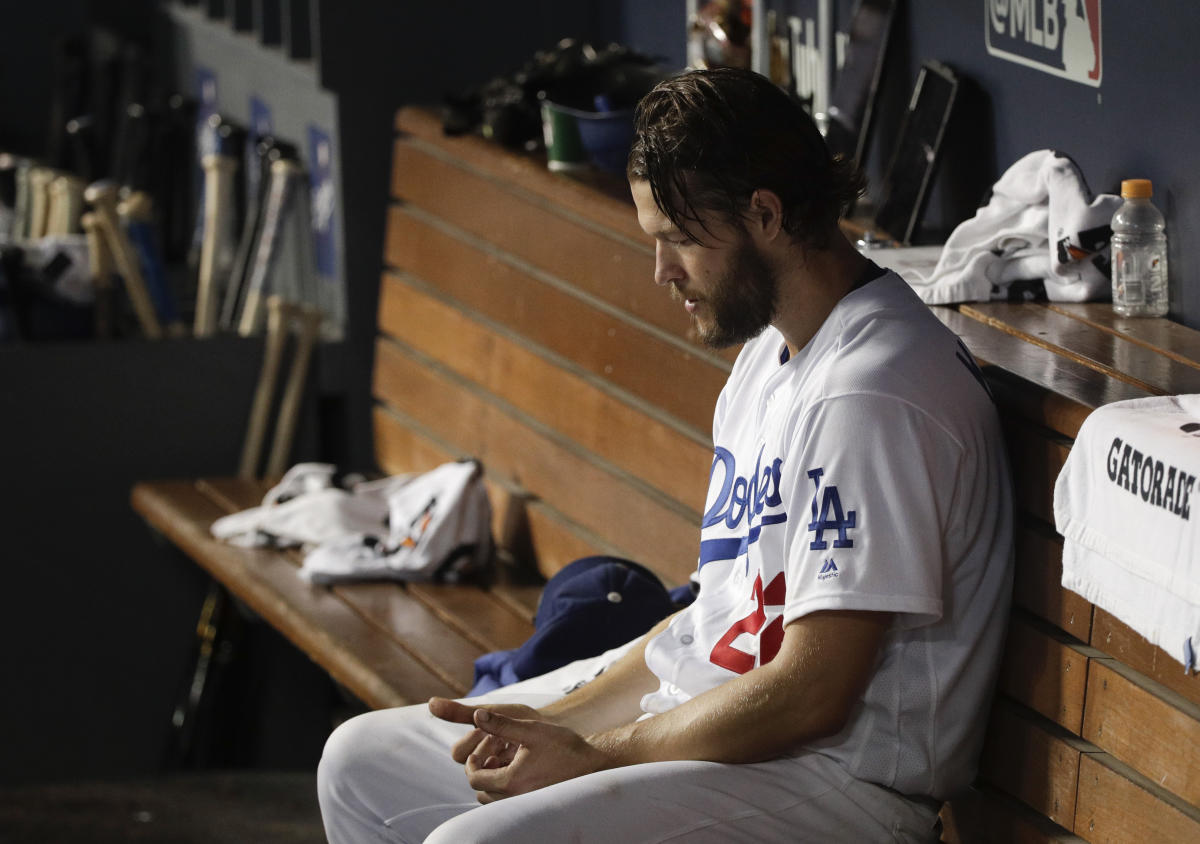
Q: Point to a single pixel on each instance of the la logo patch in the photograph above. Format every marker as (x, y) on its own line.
(831, 516)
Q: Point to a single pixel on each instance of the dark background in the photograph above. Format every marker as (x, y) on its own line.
(98, 617)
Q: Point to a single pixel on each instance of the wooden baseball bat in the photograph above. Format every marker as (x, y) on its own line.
(21, 201)
(39, 201)
(279, 200)
(103, 198)
(218, 211)
(66, 205)
(289, 406)
(260, 407)
(100, 262)
(137, 212)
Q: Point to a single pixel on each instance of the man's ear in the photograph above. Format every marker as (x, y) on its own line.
(764, 217)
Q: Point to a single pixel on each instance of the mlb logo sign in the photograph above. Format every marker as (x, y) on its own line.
(1059, 37)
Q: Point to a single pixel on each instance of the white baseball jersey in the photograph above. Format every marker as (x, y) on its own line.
(866, 472)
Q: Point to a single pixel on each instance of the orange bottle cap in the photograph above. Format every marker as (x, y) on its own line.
(1137, 189)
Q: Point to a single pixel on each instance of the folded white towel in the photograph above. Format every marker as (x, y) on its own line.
(433, 526)
(1040, 223)
(305, 508)
(439, 528)
(1124, 504)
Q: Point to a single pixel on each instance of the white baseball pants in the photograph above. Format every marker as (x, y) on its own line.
(388, 776)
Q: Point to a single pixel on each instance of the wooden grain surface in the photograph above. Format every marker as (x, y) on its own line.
(1037, 581)
(616, 428)
(1116, 804)
(539, 536)
(1045, 671)
(684, 379)
(601, 199)
(987, 816)
(599, 262)
(1108, 353)
(320, 623)
(1037, 456)
(1118, 640)
(1035, 383)
(643, 528)
(1144, 725)
(1033, 760)
(445, 649)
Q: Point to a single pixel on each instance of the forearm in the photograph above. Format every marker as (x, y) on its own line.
(613, 698)
(806, 693)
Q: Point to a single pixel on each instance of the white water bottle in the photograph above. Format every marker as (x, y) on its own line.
(1139, 253)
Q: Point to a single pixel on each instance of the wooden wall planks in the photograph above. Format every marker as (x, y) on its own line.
(517, 296)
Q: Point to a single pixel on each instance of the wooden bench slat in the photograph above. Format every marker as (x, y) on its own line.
(597, 498)
(388, 606)
(579, 410)
(601, 199)
(540, 536)
(475, 613)
(369, 664)
(1037, 585)
(987, 816)
(1116, 803)
(606, 265)
(1117, 639)
(1167, 338)
(1036, 456)
(1033, 760)
(683, 380)
(1146, 726)
(1110, 354)
(1045, 671)
(1043, 387)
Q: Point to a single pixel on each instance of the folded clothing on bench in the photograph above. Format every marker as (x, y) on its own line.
(433, 526)
(1041, 223)
(1123, 504)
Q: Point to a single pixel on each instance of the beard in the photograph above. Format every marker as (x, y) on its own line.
(742, 300)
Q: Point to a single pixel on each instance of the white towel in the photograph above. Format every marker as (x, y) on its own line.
(306, 508)
(1040, 223)
(1127, 507)
(439, 528)
(433, 526)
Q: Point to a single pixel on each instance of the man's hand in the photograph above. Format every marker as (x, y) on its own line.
(519, 755)
(461, 713)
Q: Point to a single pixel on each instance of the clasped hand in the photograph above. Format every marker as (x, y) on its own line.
(513, 749)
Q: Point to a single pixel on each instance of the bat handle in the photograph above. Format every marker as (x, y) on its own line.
(39, 201)
(100, 264)
(218, 204)
(127, 265)
(260, 408)
(289, 406)
(66, 204)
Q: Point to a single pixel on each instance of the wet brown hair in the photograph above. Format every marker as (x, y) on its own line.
(707, 139)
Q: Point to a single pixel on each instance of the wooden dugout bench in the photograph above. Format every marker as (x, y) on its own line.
(517, 324)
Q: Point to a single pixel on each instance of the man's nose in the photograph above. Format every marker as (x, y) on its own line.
(666, 267)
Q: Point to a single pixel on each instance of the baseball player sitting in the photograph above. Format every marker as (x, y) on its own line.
(831, 680)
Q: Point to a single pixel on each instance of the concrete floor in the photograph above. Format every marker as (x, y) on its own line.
(244, 807)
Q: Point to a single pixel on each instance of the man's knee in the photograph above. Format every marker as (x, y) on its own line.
(346, 752)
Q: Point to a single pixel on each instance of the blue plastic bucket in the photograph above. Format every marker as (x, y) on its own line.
(606, 135)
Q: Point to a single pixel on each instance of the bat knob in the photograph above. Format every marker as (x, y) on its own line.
(101, 193)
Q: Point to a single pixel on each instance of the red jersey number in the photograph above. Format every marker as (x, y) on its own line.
(770, 636)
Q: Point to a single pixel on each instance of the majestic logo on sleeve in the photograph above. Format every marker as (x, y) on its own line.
(740, 500)
(832, 517)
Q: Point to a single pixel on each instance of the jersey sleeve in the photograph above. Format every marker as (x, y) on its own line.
(875, 479)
